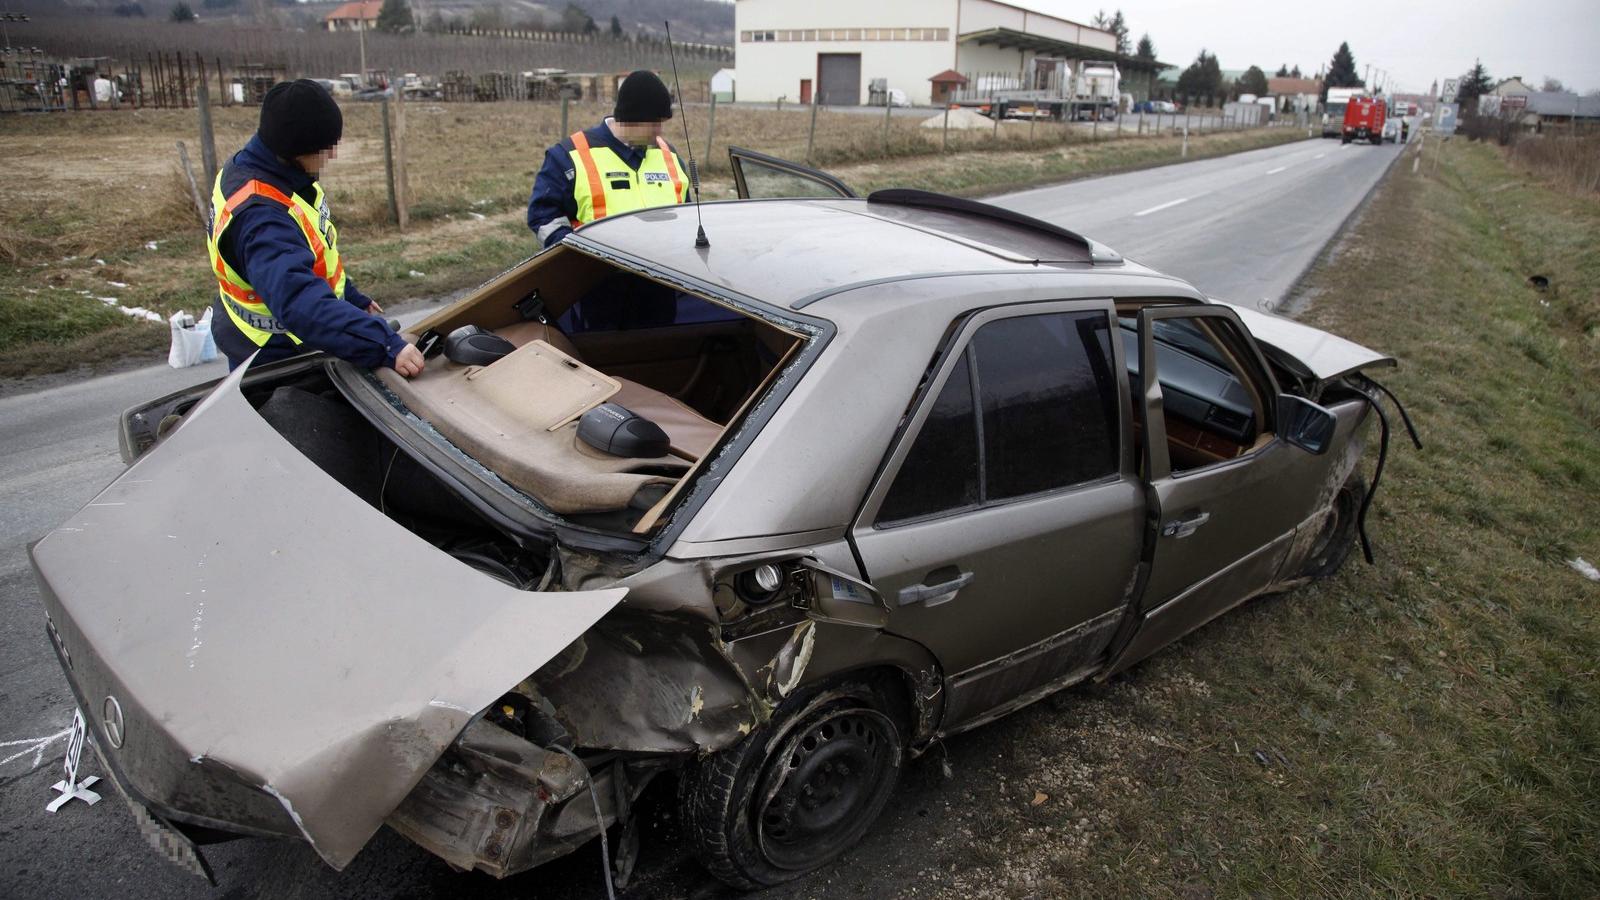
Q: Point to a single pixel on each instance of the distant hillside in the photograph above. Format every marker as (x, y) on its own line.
(702, 21)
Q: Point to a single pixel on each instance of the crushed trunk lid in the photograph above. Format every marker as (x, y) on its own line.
(272, 640)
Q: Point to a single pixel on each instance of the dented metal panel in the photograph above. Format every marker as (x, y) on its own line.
(273, 640)
(1322, 355)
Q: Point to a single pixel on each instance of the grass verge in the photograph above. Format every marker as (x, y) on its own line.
(1429, 726)
(98, 208)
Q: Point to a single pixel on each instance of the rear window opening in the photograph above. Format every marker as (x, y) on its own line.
(594, 346)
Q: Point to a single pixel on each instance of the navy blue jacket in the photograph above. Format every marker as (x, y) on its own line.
(266, 246)
(552, 207)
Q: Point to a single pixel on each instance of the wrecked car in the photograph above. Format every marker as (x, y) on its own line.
(770, 516)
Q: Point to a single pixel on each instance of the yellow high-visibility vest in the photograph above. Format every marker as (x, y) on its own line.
(603, 184)
(247, 310)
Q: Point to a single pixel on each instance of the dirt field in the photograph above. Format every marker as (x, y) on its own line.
(96, 218)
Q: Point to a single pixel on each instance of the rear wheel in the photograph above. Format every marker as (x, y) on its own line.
(798, 792)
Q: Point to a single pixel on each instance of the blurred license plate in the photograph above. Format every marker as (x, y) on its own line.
(168, 841)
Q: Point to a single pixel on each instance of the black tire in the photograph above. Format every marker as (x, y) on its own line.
(1338, 534)
(798, 792)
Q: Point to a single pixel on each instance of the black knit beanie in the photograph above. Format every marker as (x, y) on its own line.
(643, 97)
(299, 117)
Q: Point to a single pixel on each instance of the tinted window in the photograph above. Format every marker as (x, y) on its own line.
(941, 470)
(1047, 395)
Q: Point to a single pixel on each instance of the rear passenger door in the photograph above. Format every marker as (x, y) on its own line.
(761, 177)
(1005, 526)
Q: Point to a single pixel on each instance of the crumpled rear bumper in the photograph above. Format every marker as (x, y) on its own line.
(499, 804)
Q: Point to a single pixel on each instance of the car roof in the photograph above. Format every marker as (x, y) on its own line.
(794, 253)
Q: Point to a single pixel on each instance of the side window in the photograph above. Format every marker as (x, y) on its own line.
(941, 471)
(1048, 399)
(1030, 406)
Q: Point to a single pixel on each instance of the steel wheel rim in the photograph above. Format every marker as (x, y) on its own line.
(815, 796)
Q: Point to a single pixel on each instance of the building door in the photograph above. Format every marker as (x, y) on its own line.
(839, 79)
(805, 90)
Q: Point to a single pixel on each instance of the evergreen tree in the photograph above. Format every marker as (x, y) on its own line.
(1283, 71)
(1202, 79)
(1147, 48)
(1119, 27)
(1295, 72)
(1342, 71)
(395, 17)
(575, 20)
(1253, 81)
(616, 28)
(182, 13)
(1474, 84)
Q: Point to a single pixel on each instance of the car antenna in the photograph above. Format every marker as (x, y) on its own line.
(694, 172)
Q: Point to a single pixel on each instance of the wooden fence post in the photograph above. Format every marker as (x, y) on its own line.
(888, 111)
(194, 190)
(811, 136)
(401, 176)
(394, 169)
(711, 126)
(208, 144)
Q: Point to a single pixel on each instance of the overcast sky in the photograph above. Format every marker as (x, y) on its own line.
(1416, 41)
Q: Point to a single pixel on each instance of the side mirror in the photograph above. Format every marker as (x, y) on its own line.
(1305, 424)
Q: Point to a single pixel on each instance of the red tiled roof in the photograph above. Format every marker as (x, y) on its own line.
(949, 75)
(1281, 86)
(359, 9)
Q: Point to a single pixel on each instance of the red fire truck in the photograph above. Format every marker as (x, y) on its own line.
(1363, 120)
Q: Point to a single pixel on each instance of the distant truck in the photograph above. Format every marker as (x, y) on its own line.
(1363, 120)
(1333, 112)
(1077, 92)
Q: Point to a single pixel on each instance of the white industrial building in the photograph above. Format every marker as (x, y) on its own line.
(839, 51)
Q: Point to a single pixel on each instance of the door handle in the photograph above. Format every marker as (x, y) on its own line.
(934, 594)
(1182, 528)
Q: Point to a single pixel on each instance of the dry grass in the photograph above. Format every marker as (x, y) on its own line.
(1569, 159)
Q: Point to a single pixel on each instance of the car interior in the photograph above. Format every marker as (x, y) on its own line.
(594, 390)
(1210, 410)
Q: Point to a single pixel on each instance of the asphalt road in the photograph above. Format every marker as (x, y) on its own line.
(1242, 227)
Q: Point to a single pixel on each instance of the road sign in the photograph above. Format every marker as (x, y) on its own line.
(1445, 121)
(70, 787)
(1451, 86)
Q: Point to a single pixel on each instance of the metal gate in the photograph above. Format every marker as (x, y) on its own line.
(839, 79)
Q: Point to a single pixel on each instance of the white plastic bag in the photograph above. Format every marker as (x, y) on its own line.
(192, 342)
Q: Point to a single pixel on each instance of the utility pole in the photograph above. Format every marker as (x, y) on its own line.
(361, 29)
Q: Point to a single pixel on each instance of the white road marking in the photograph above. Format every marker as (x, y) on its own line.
(35, 746)
(1277, 170)
(1168, 205)
(1319, 156)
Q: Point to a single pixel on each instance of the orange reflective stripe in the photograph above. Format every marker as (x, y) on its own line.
(251, 189)
(597, 192)
(672, 168)
(313, 237)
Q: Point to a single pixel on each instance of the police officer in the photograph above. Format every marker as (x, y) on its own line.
(619, 165)
(281, 285)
